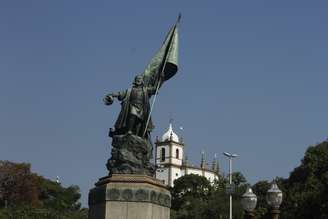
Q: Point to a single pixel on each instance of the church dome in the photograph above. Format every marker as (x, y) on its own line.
(170, 135)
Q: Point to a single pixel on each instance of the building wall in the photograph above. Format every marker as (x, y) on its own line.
(194, 171)
(175, 174)
(171, 173)
(210, 176)
(159, 154)
(173, 166)
(207, 174)
(163, 174)
(175, 160)
(170, 154)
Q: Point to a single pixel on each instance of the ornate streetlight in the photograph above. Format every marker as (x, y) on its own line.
(274, 199)
(248, 201)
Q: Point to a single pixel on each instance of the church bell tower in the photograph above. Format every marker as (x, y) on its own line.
(169, 156)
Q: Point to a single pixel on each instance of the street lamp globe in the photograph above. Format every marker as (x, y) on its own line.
(274, 196)
(249, 200)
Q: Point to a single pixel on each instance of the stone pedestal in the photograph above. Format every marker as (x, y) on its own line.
(127, 196)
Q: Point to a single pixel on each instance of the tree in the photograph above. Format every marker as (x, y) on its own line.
(18, 186)
(24, 194)
(306, 189)
(190, 193)
(238, 179)
(260, 189)
(53, 195)
(194, 197)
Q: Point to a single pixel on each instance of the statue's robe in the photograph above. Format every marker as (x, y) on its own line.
(129, 108)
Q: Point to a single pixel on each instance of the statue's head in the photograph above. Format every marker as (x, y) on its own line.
(138, 80)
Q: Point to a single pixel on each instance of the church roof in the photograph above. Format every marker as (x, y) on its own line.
(170, 135)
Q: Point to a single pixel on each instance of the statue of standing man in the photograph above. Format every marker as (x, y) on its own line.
(131, 142)
(135, 110)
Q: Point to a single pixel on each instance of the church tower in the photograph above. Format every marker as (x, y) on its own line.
(172, 163)
(169, 156)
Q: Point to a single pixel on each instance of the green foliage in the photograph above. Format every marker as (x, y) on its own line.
(306, 190)
(189, 195)
(238, 179)
(260, 189)
(18, 186)
(194, 197)
(28, 196)
(188, 188)
(58, 197)
(25, 212)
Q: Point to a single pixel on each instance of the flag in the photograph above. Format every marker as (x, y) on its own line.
(165, 61)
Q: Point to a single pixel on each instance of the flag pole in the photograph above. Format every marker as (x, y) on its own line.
(152, 107)
(160, 79)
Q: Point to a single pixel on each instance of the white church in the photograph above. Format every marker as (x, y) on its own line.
(172, 163)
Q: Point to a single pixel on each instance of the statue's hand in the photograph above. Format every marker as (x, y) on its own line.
(108, 99)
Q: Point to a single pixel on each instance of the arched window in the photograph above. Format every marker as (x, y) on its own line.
(163, 154)
(177, 153)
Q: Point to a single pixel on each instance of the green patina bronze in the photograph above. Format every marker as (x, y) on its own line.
(131, 143)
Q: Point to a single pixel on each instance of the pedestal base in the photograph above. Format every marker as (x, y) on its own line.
(125, 196)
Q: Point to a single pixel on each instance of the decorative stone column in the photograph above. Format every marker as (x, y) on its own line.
(129, 196)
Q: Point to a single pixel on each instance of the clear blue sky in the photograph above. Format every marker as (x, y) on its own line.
(252, 80)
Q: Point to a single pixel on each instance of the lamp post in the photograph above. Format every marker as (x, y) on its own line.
(274, 199)
(230, 157)
(248, 201)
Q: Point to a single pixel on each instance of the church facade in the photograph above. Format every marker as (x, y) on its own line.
(172, 163)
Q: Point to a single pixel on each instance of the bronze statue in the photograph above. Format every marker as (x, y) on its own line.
(135, 109)
(131, 142)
